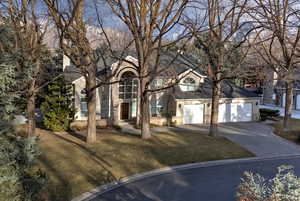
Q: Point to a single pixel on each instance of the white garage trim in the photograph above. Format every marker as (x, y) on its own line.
(298, 102)
(193, 113)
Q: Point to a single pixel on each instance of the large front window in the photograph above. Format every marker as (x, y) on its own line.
(83, 103)
(128, 86)
(156, 105)
(188, 84)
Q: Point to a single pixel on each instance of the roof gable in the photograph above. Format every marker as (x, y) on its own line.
(185, 73)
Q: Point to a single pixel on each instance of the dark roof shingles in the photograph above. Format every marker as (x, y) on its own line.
(228, 90)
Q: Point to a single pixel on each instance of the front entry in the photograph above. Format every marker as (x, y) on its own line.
(124, 111)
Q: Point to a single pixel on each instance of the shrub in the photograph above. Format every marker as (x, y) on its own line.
(117, 127)
(57, 109)
(18, 180)
(268, 113)
(284, 186)
(298, 138)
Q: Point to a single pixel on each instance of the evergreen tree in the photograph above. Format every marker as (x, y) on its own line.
(57, 109)
(18, 182)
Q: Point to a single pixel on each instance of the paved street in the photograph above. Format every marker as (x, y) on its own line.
(215, 183)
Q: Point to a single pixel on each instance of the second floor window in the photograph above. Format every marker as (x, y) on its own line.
(188, 84)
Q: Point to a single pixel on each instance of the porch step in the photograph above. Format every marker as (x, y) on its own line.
(126, 122)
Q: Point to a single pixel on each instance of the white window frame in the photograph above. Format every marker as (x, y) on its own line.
(156, 107)
(191, 86)
(83, 104)
(133, 90)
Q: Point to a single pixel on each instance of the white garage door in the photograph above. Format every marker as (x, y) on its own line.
(298, 102)
(235, 112)
(283, 100)
(193, 114)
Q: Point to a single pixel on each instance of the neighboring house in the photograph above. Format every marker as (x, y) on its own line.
(274, 92)
(188, 102)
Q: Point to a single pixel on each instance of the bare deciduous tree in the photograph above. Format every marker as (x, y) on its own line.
(83, 47)
(28, 34)
(69, 20)
(220, 28)
(149, 22)
(279, 36)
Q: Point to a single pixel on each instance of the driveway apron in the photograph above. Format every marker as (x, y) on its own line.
(256, 137)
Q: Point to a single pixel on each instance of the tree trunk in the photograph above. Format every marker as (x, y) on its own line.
(288, 105)
(31, 102)
(213, 130)
(91, 104)
(144, 110)
(31, 114)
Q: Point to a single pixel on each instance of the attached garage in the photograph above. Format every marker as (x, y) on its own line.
(235, 112)
(193, 114)
(194, 107)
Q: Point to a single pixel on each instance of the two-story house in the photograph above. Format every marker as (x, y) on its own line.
(187, 102)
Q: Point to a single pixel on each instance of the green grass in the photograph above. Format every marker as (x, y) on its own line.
(291, 133)
(74, 168)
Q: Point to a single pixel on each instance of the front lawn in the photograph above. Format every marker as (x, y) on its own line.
(74, 168)
(293, 131)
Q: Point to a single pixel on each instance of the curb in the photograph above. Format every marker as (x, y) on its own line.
(168, 170)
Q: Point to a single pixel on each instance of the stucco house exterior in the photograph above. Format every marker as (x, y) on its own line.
(188, 102)
(274, 90)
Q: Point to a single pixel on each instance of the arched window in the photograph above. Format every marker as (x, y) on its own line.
(188, 84)
(128, 86)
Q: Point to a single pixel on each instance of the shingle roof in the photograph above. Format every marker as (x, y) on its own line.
(178, 63)
(229, 90)
(71, 73)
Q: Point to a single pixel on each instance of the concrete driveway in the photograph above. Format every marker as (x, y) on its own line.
(257, 137)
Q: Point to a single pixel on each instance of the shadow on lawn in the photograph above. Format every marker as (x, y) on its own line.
(77, 167)
(61, 188)
(93, 156)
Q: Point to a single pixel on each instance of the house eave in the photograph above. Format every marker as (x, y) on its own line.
(200, 99)
(184, 73)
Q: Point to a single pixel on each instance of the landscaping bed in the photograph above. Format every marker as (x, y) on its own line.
(292, 133)
(74, 167)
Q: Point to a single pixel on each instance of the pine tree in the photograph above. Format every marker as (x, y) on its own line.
(57, 109)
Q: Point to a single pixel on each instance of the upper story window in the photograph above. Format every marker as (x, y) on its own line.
(188, 84)
(157, 83)
(128, 86)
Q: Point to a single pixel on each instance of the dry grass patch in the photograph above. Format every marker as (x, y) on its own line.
(74, 168)
(293, 132)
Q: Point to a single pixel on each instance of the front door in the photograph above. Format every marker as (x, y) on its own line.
(124, 111)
